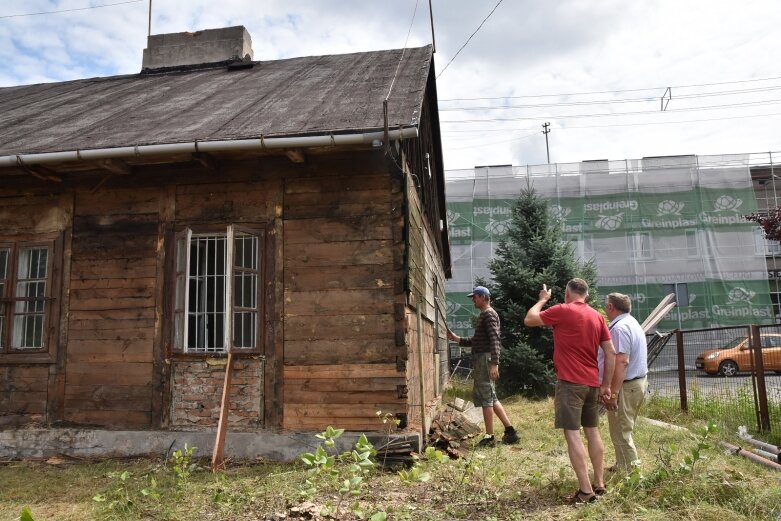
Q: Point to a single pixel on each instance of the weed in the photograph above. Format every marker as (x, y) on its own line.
(118, 496)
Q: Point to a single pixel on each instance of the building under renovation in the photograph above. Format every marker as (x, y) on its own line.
(653, 226)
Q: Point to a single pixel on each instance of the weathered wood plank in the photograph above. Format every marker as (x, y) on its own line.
(134, 284)
(108, 397)
(339, 302)
(113, 268)
(106, 351)
(340, 184)
(120, 418)
(358, 327)
(340, 253)
(327, 385)
(364, 227)
(341, 371)
(118, 202)
(320, 424)
(114, 314)
(28, 402)
(117, 373)
(111, 303)
(337, 411)
(107, 327)
(344, 397)
(325, 352)
(306, 278)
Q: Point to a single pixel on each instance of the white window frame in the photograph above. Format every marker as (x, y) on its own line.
(763, 246)
(182, 278)
(692, 234)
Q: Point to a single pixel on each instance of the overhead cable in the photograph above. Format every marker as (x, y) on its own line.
(468, 39)
(70, 10)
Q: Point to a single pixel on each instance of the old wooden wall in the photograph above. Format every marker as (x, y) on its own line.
(427, 291)
(339, 331)
(34, 213)
(344, 296)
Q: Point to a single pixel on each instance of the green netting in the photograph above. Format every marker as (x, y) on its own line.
(652, 226)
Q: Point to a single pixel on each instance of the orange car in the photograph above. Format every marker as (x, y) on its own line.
(736, 356)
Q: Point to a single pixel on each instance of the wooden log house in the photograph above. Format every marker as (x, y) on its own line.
(280, 210)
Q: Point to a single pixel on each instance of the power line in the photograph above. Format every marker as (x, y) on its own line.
(401, 58)
(468, 39)
(612, 91)
(608, 102)
(478, 132)
(70, 10)
(613, 114)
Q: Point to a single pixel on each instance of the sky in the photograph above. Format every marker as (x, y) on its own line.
(598, 71)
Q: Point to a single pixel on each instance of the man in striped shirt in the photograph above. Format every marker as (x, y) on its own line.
(485, 367)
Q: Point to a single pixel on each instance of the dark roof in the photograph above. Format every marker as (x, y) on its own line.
(298, 96)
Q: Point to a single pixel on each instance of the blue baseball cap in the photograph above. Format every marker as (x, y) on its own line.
(480, 290)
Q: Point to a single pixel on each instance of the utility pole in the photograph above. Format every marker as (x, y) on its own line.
(545, 130)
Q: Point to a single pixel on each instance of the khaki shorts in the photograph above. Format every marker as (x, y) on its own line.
(483, 392)
(576, 405)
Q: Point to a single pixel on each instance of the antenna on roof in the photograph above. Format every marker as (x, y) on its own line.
(431, 16)
(149, 30)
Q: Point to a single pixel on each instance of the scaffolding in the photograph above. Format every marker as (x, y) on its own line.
(653, 226)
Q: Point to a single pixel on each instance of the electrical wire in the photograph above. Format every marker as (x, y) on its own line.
(613, 114)
(70, 10)
(401, 58)
(613, 91)
(609, 102)
(468, 39)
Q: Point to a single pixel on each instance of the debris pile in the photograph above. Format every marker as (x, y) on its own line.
(454, 426)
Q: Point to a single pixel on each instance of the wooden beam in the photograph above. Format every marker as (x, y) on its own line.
(218, 458)
(115, 166)
(207, 161)
(43, 173)
(296, 155)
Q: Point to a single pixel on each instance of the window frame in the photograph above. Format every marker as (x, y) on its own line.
(176, 273)
(637, 253)
(51, 300)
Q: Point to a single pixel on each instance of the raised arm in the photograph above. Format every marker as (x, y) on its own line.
(532, 318)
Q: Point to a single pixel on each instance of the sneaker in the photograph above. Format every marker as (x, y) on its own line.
(510, 436)
(487, 441)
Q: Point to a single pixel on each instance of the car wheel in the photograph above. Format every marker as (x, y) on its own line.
(728, 368)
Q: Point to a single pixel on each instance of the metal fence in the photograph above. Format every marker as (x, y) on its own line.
(730, 375)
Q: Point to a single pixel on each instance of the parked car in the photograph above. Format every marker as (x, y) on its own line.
(736, 356)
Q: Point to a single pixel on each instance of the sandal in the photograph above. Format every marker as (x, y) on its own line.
(581, 498)
(599, 491)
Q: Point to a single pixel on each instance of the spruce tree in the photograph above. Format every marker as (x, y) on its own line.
(534, 252)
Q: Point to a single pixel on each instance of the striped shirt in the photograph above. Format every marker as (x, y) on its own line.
(486, 337)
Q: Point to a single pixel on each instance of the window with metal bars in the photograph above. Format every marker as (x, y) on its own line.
(25, 286)
(217, 304)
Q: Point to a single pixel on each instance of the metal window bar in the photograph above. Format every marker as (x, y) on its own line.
(206, 306)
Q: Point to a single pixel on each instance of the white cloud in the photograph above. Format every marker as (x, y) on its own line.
(527, 47)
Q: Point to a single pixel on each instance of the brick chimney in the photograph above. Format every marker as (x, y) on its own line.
(201, 47)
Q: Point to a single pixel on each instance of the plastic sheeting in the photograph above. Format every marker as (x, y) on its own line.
(653, 226)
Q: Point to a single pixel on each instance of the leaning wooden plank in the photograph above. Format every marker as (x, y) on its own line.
(665, 301)
(647, 326)
(222, 426)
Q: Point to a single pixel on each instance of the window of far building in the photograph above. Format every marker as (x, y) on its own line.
(217, 296)
(25, 296)
(639, 245)
(764, 246)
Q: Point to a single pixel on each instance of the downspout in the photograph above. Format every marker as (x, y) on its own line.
(260, 143)
(422, 383)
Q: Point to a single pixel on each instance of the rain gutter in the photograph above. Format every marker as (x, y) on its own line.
(238, 145)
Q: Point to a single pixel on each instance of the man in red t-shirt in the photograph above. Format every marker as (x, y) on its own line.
(578, 332)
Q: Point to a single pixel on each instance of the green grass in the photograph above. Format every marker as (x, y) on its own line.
(524, 481)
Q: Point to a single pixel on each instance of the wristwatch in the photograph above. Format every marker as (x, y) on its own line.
(613, 396)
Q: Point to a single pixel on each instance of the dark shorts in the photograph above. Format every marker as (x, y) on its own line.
(483, 392)
(576, 405)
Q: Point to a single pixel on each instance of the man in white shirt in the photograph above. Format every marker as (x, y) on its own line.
(629, 383)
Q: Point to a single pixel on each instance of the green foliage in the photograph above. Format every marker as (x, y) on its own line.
(341, 473)
(118, 497)
(183, 466)
(26, 515)
(535, 252)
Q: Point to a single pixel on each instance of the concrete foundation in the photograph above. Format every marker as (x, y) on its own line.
(99, 444)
